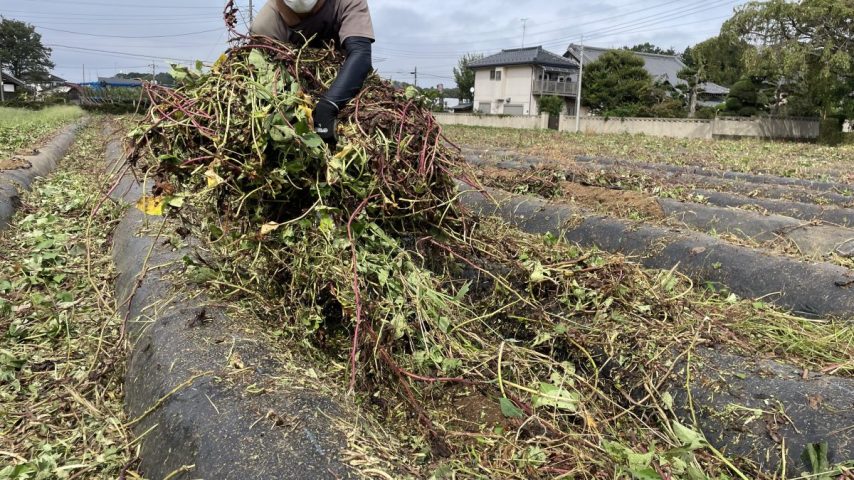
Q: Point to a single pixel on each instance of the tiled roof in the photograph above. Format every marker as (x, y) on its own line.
(7, 77)
(664, 68)
(525, 56)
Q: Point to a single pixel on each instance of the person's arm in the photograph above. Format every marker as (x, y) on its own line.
(346, 86)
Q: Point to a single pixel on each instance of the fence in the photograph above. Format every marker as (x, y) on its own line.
(724, 127)
(499, 121)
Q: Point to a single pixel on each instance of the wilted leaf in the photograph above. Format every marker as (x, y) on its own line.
(151, 205)
(213, 179)
(269, 227)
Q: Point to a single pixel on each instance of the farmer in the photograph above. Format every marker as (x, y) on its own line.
(345, 22)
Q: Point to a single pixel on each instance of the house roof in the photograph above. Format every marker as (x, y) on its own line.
(8, 78)
(663, 68)
(119, 82)
(524, 56)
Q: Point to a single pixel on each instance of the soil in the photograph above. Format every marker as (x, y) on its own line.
(623, 202)
(476, 410)
(14, 163)
(550, 184)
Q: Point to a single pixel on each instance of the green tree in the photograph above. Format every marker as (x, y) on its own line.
(617, 84)
(746, 98)
(550, 104)
(694, 74)
(722, 59)
(464, 76)
(806, 49)
(650, 48)
(22, 52)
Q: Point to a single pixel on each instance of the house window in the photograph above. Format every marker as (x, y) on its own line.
(495, 74)
(9, 87)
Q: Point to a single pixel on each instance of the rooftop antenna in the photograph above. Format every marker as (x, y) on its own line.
(524, 30)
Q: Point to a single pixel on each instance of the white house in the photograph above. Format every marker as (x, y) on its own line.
(512, 81)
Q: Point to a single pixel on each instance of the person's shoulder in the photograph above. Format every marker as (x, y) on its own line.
(345, 4)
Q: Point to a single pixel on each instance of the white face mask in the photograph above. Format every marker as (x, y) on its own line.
(301, 6)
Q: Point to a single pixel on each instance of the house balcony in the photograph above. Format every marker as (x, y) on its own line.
(552, 87)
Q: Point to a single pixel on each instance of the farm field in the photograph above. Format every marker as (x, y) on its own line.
(583, 346)
(788, 159)
(61, 351)
(23, 130)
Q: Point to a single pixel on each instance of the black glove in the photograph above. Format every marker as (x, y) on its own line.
(326, 121)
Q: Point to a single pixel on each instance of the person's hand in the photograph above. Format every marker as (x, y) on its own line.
(326, 121)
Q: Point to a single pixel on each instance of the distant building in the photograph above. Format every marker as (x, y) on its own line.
(662, 68)
(511, 82)
(13, 88)
(119, 82)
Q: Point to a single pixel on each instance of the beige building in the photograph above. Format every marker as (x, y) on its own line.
(511, 82)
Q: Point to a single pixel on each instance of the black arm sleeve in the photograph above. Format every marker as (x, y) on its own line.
(353, 73)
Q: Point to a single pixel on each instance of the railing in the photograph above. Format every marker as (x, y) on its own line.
(552, 87)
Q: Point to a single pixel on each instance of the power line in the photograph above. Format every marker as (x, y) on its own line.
(129, 36)
(146, 6)
(117, 53)
(624, 27)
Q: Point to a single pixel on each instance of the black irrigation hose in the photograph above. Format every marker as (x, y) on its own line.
(816, 405)
(820, 186)
(810, 289)
(189, 405)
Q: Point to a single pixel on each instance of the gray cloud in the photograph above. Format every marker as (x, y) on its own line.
(430, 35)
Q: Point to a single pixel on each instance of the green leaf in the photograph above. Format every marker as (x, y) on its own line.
(667, 400)
(816, 456)
(509, 410)
(176, 201)
(639, 460)
(312, 140)
(689, 438)
(644, 474)
(553, 396)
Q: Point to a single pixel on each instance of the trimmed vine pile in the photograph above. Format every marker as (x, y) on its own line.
(365, 257)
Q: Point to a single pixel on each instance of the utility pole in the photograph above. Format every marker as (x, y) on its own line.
(251, 13)
(2, 84)
(524, 30)
(578, 93)
(153, 72)
(415, 72)
(84, 73)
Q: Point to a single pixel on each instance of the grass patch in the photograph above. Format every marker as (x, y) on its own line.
(21, 128)
(788, 159)
(61, 352)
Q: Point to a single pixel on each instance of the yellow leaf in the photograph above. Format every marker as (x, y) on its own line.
(308, 113)
(214, 180)
(269, 227)
(219, 61)
(151, 205)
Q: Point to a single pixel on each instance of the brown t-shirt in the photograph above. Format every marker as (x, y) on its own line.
(337, 20)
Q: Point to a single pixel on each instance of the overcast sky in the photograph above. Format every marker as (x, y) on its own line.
(129, 35)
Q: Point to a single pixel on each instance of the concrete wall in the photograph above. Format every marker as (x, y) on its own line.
(658, 127)
(521, 122)
(515, 84)
(771, 128)
(780, 128)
